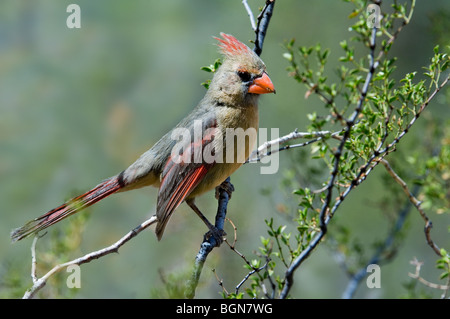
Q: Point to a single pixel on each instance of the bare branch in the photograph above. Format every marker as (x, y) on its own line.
(220, 281)
(262, 150)
(38, 283)
(250, 14)
(416, 203)
(417, 276)
(33, 259)
(253, 269)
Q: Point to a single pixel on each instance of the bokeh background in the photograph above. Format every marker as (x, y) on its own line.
(80, 105)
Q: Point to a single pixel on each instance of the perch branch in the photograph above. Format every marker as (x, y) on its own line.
(209, 242)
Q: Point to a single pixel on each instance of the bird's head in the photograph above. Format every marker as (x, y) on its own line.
(242, 77)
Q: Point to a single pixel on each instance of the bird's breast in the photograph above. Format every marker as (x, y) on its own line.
(238, 128)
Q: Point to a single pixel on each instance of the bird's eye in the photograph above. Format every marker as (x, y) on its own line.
(245, 76)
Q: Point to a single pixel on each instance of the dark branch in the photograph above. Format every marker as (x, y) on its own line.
(209, 242)
(262, 25)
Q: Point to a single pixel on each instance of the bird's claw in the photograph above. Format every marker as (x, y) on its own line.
(225, 186)
(217, 235)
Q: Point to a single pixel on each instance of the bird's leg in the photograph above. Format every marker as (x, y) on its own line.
(217, 233)
(192, 205)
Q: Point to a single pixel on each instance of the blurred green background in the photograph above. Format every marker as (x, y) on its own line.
(80, 105)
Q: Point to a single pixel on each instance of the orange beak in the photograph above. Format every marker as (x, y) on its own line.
(262, 85)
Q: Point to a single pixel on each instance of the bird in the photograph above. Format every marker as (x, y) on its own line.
(175, 164)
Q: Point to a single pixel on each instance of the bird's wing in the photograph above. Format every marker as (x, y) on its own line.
(183, 171)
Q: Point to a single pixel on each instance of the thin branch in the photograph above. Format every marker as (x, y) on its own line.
(393, 37)
(220, 281)
(417, 276)
(416, 203)
(263, 150)
(253, 271)
(250, 14)
(33, 259)
(38, 283)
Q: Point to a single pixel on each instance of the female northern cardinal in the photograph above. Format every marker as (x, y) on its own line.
(230, 103)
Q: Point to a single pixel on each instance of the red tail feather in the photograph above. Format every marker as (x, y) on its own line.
(71, 207)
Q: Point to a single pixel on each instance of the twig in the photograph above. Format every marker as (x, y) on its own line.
(416, 203)
(417, 276)
(393, 37)
(235, 234)
(250, 14)
(253, 269)
(220, 281)
(38, 283)
(247, 276)
(33, 259)
(262, 150)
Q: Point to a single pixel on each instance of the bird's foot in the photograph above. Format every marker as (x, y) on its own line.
(225, 186)
(215, 236)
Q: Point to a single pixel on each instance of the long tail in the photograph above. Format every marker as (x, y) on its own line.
(74, 205)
